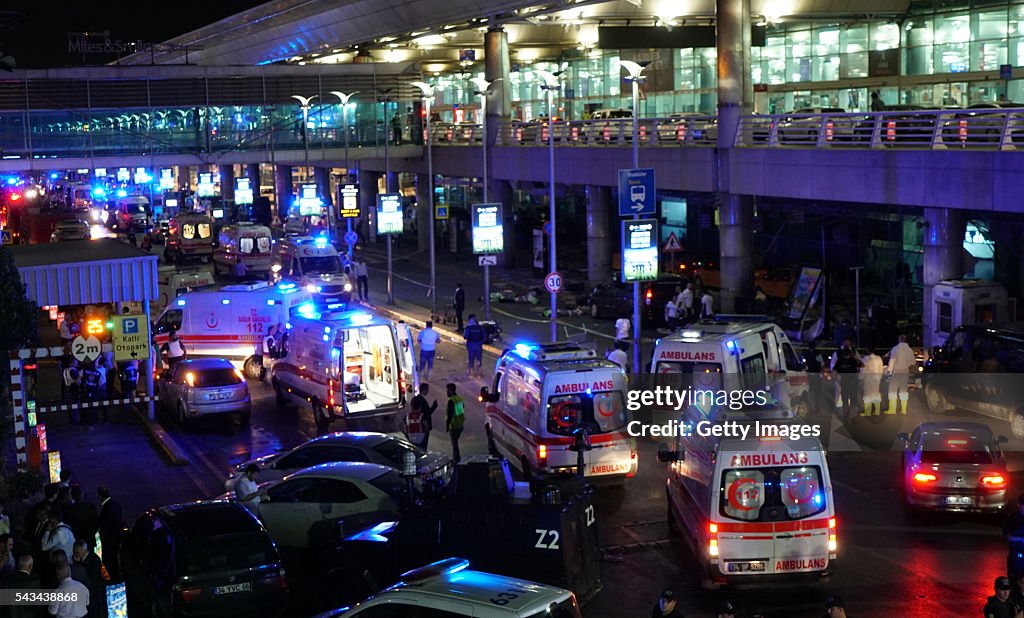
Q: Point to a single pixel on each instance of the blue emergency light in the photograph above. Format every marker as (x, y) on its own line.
(307, 310)
(524, 349)
(181, 302)
(225, 301)
(360, 318)
(730, 345)
(99, 192)
(122, 193)
(320, 241)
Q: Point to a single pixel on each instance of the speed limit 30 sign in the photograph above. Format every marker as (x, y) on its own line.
(553, 283)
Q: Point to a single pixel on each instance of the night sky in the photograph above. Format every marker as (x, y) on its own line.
(35, 33)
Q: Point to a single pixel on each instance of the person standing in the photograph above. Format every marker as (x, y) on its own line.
(427, 340)
(90, 390)
(901, 363)
(671, 314)
(876, 102)
(58, 535)
(665, 607)
(72, 596)
(82, 517)
(86, 560)
(248, 491)
(835, 607)
(813, 365)
(618, 355)
(241, 270)
(362, 279)
(396, 129)
(685, 301)
(103, 388)
(475, 336)
(622, 330)
(414, 426)
(871, 381)
(111, 526)
(1000, 605)
(420, 401)
(707, 306)
(258, 349)
(173, 350)
(21, 579)
(129, 378)
(455, 420)
(848, 367)
(459, 304)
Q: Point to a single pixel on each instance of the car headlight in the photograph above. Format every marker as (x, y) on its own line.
(276, 268)
(348, 287)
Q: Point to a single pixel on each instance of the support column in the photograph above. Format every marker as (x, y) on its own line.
(499, 109)
(252, 170)
(322, 178)
(424, 214)
(735, 98)
(501, 191)
(184, 173)
(599, 247)
(368, 183)
(282, 191)
(944, 230)
(227, 190)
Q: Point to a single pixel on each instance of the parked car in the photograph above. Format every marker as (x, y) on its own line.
(71, 229)
(363, 446)
(954, 466)
(688, 127)
(980, 124)
(447, 588)
(202, 387)
(608, 125)
(361, 494)
(806, 123)
(202, 559)
(535, 130)
(614, 300)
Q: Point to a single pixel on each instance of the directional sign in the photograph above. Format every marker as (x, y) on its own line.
(130, 337)
(636, 192)
(85, 349)
(487, 260)
(672, 244)
(351, 238)
(441, 213)
(349, 202)
(6, 235)
(553, 283)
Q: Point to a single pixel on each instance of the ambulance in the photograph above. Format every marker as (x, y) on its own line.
(243, 242)
(189, 236)
(543, 395)
(314, 264)
(227, 323)
(734, 353)
(755, 511)
(355, 363)
(173, 281)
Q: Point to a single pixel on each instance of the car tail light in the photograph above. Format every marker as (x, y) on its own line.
(190, 378)
(833, 539)
(187, 595)
(925, 477)
(330, 392)
(542, 455)
(993, 481)
(276, 579)
(713, 541)
(632, 464)
(890, 130)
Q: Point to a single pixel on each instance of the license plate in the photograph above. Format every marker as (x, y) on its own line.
(745, 567)
(243, 587)
(219, 396)
(960, 500)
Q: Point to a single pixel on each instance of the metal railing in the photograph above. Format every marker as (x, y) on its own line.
(984, 129)
(676, 131)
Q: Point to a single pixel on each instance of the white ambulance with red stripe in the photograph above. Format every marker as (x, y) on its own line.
(228, 322)
(545, 397)
(353, 363)
(734, 353)
(755, 511)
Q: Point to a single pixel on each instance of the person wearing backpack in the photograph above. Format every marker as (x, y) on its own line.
(455, 420)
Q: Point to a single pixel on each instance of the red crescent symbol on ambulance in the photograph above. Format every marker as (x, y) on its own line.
(211, 322)
(733, 490)
(605, 407)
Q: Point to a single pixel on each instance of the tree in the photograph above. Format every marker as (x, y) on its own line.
(19, 316)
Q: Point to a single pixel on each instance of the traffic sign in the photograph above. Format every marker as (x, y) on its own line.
(130, 337)
(487, 260)
(6, 235)
(672, 244)
(85, 349)
(547, 229)
(553, 283)
(636, 192)
(351, 238)
(441, 213)
(349, 202)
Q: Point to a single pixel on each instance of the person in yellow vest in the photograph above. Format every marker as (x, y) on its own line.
(455, 420)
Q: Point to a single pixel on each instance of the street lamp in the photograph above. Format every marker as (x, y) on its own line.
(345, 98)
(305, 103)
(483, 89)
(550, 85)
(428, 97)
(635, 70)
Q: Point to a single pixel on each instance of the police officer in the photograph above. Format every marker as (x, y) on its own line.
(1000, 605)
(666, 606)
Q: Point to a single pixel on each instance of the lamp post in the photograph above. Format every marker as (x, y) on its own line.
(345, 98)
(484, 89)
(550, 85)
(305, 103)
(384, 100)
(635, 78)
(428, 96)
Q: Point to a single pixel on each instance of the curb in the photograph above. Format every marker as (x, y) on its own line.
(174, 453)
(420, 323)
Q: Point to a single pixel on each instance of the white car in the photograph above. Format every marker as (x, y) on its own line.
(363, 494)
(204, 386)
(70, 229)
(448, 588)
(366, 446)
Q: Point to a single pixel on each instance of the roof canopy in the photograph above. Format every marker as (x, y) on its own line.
(85, 272)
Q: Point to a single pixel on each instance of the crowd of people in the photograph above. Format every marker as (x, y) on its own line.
(65, 543)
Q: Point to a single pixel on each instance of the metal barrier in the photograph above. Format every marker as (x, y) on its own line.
(672, 132)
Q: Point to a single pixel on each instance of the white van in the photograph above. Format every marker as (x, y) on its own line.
(755, 511)
(314, 264)
(131, 213)
(734, 353)
(189, 236)
(246, 242)
(542, 395)
(227, 323)
(173, 281)
(356, 363)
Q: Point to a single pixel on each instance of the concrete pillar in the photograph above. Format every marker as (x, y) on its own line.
(424, 216)
(392, 184)
(252, 170)
(944, 230)
(368, 182)
(499, 109)
(599, 246)
(283, 190)
(735, 97)
(227, 186)
(500, 191)
(184, 174)
(322, 178)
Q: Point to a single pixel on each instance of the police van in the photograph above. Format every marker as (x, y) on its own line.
(227, 323)
(314, 264)
(543, 395)
(354, 363)
(734, 353)
(755, 511)
(243, 242)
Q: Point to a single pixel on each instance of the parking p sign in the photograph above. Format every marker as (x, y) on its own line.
(130, 337)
